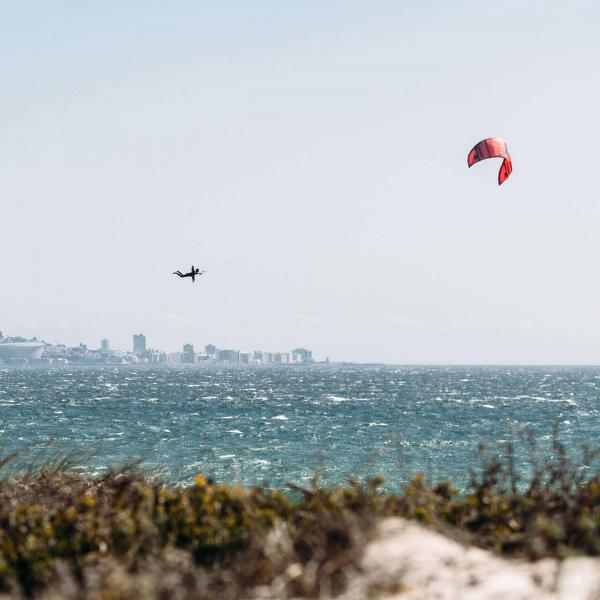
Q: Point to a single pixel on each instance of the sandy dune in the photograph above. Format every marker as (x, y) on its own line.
(407, 562)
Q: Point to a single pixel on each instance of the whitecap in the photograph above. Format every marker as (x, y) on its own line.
(234, 431)
(225, 456)
(194, 465)
(336, 398)
(280, 418)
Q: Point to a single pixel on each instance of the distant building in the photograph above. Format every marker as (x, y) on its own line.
(281, 358)
(104, 345)
(174, 357)
(139, 344)
(211, 350)
(302, 355)
(20, 351)
(245, 358)
(188, 354)
(232, 356)
(156, 356)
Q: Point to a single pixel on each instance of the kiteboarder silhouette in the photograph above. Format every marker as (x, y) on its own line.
(191, 274)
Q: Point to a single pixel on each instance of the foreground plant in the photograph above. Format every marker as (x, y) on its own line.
(121, 536)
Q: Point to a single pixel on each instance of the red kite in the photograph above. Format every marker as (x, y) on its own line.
(492, 148)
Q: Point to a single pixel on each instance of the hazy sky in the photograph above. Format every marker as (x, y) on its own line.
(317, 148)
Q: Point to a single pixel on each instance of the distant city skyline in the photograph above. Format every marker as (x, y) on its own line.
(138, 343)
(37, 350)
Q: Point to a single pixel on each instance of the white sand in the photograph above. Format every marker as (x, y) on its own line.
(407, 561)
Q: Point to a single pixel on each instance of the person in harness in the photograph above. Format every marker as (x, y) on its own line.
(191, 274)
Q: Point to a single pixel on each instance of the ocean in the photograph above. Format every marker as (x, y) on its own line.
(272, 425)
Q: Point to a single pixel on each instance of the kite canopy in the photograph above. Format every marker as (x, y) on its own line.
(492, 148)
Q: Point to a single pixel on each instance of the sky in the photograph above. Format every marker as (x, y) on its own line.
(313, 156)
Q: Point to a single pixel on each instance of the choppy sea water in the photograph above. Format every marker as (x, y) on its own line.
(271, 425)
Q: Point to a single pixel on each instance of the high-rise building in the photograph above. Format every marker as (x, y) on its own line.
(188, 354)
(210, 349)
(139, 344)
(104, 345)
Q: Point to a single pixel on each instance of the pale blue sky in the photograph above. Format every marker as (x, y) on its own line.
(325, 143)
